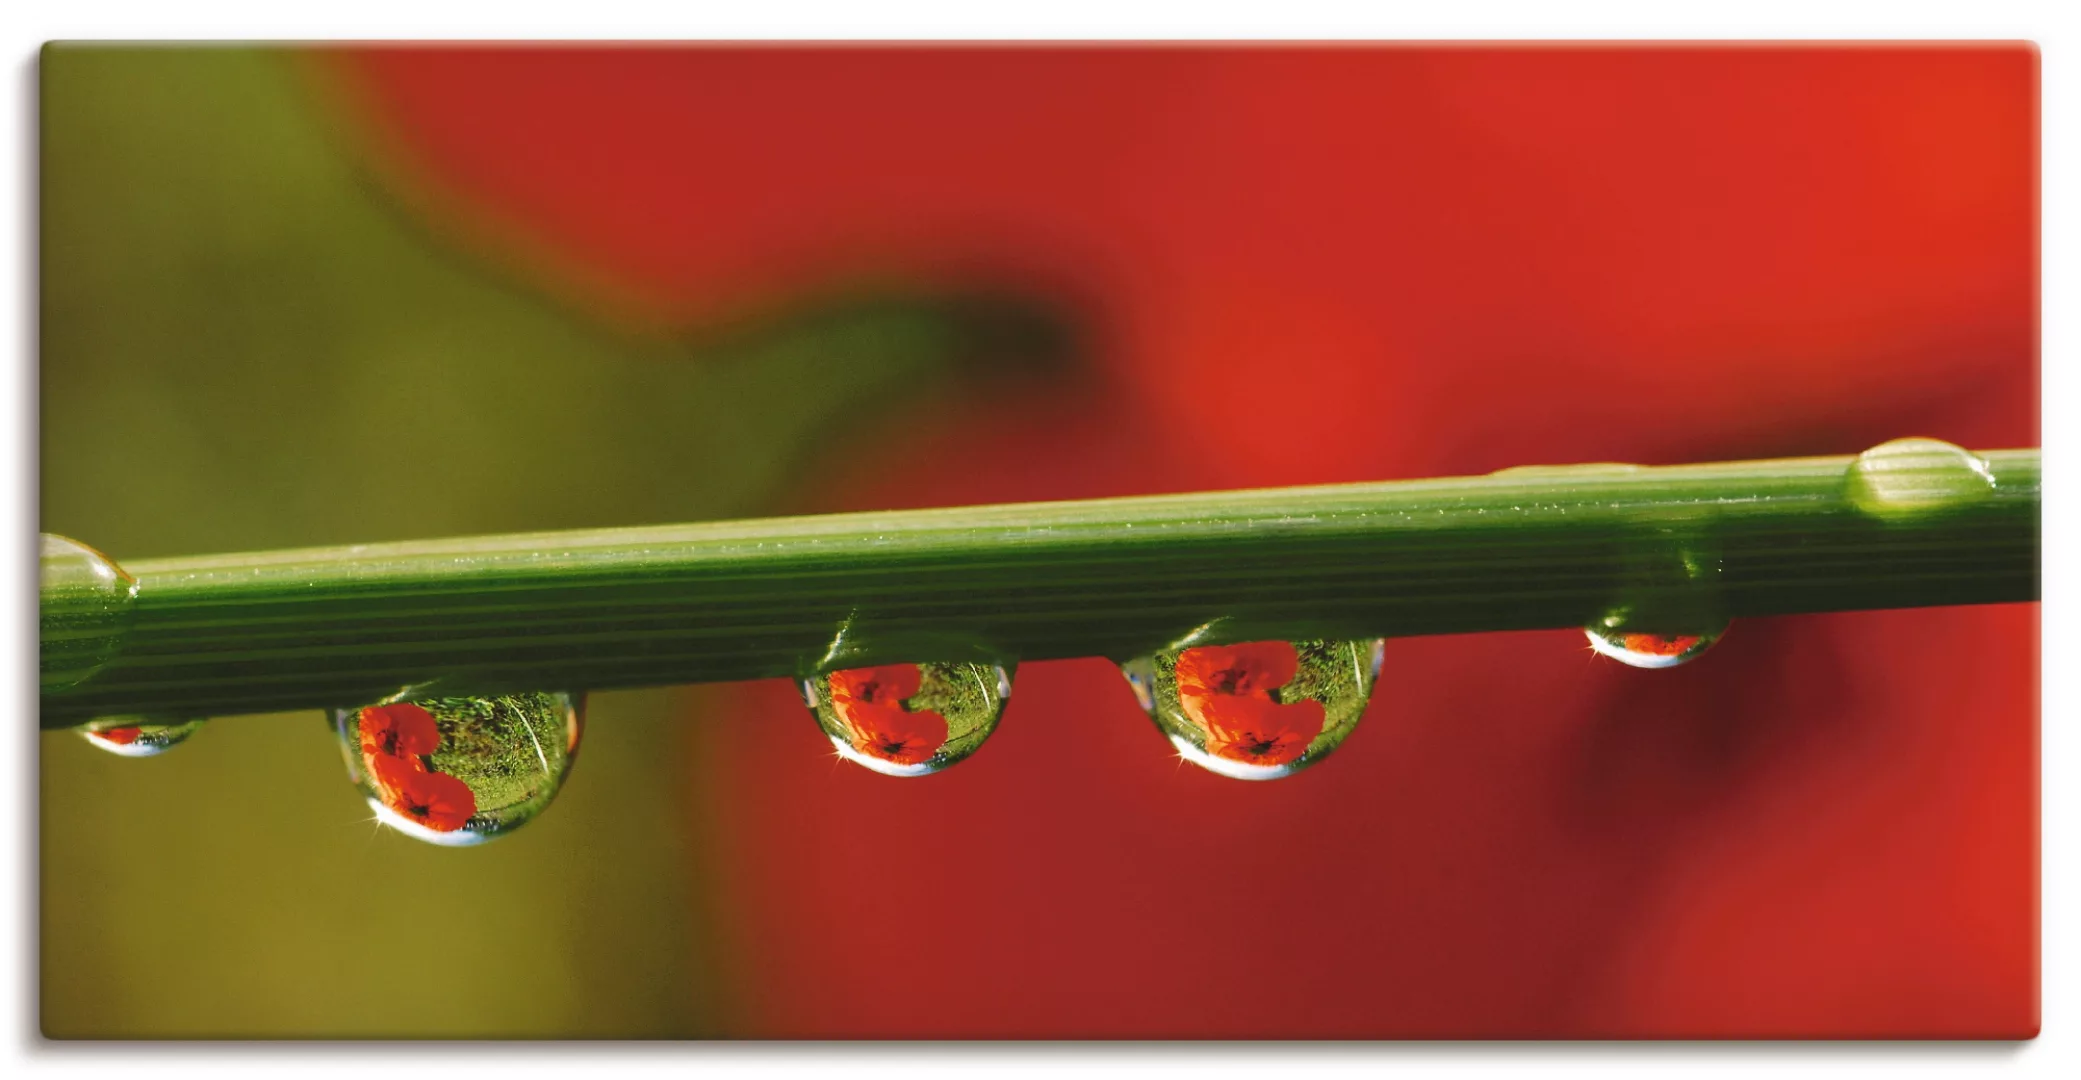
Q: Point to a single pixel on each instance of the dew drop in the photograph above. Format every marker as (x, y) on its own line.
(1669, 608)
(1259, 710)
(85, 611)
(909, 719)
(456, 771)
(1907, 477)
(139, 736)
(1650, 650)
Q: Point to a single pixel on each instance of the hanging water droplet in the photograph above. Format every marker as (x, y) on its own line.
(1259, 710)
(138, 736)
(1670, 606)
(909, 719)
(461, 770)
(1907, 477)
(1650, 650)
(85, 610)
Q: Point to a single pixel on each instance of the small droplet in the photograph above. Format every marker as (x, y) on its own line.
(1650, 650)
(461, 770)
(86, 605)
(1259, 710)
(909, 719)
(1907, 477)
(139, 736)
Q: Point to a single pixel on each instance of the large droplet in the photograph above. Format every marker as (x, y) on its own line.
(1908, 477)
(909, 719)
(85, 611)
(1650, 650)
(461, 770)
(139, 736)
(1259, 710)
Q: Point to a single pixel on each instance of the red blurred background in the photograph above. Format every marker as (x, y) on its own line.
(1303, 265)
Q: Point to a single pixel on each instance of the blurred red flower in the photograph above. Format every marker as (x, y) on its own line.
(120, 736)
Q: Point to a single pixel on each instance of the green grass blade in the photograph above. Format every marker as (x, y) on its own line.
(1523, 549)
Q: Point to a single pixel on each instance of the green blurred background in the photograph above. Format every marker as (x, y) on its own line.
(249, 343)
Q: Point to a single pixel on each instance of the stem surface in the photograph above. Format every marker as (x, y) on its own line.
(1543, 547)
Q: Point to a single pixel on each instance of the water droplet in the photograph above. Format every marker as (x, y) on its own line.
(461, 770)
(86, 605)
(1670, 606)
(909, 719)
(1907, 477)
(139, 736)
(1259, 710)
(1649, 650)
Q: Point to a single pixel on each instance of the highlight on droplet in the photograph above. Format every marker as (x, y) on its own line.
(1257, 710)
(138, 736)
(909, 719)
(457, 771)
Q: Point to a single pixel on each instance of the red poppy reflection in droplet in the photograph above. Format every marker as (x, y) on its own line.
(1258, 710)
(459, 771)
(869, 702)
(1227, 691)
(428, 799)
(1647, 650)
(397, 730)
(1258, 732)
(395, 740)
(1660, 644)
(908, 719)
(132, 736)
